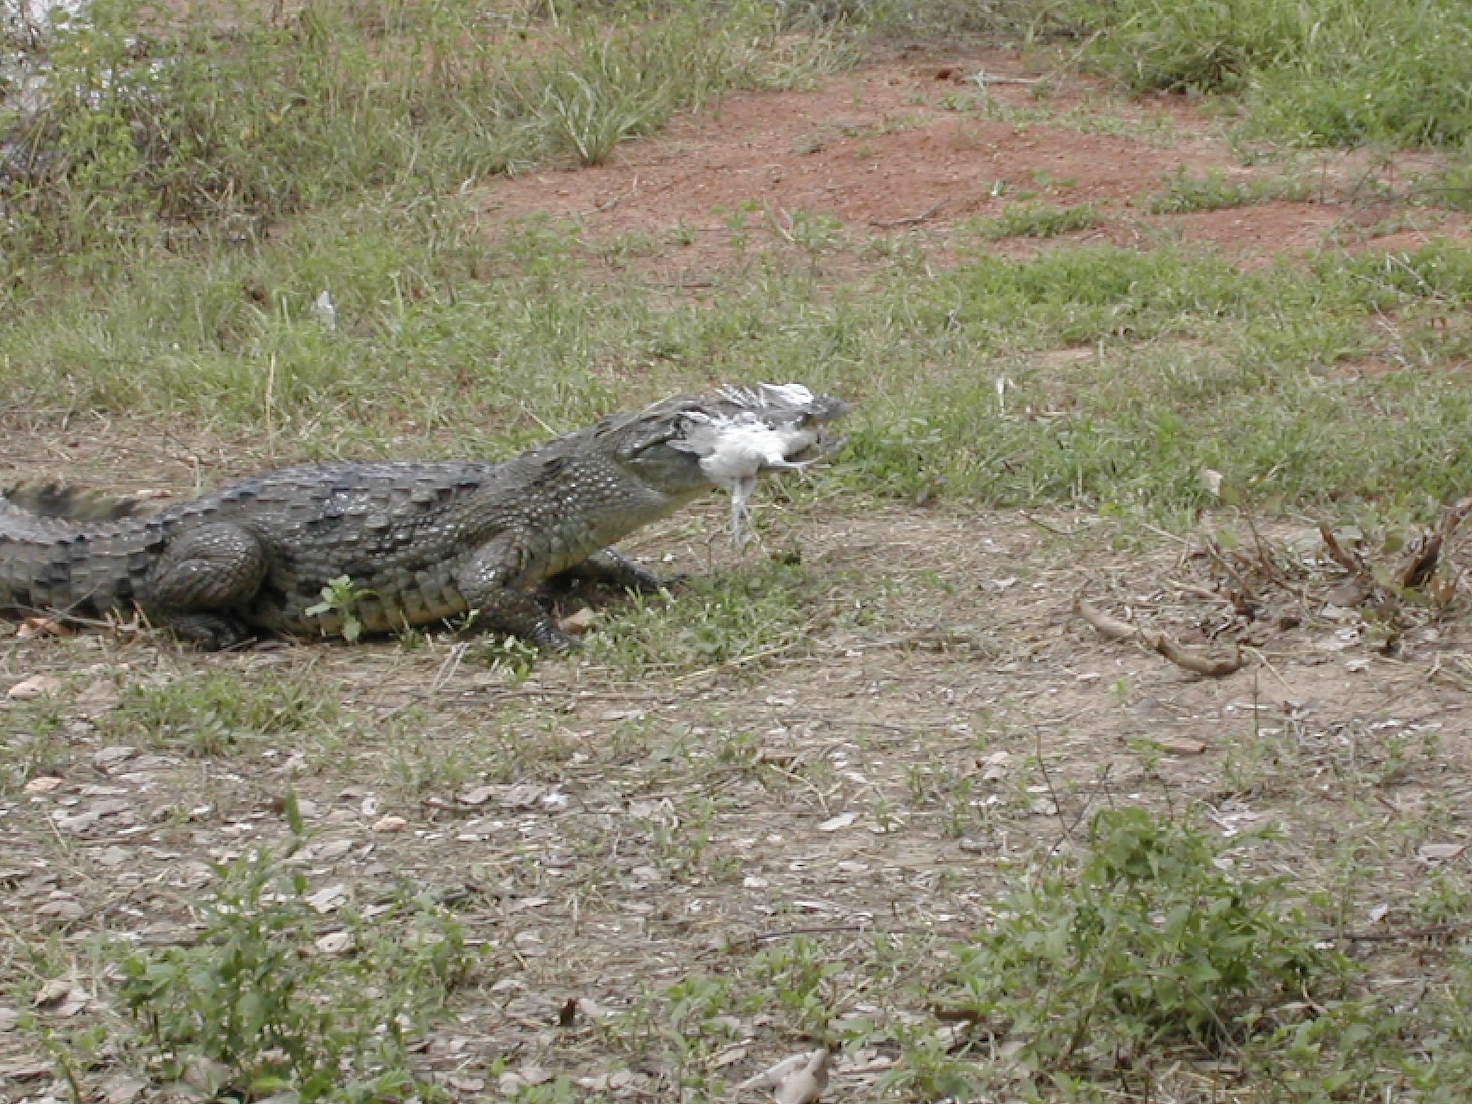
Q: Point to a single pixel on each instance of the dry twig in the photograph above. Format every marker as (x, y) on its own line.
(1190, 659)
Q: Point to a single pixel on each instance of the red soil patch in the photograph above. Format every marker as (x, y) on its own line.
(891, 150)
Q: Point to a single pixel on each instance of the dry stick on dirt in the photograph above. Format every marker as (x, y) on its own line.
(909, 220)
(1432, 931)
(1191, 659)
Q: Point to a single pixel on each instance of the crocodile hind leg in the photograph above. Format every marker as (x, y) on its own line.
(202, 575)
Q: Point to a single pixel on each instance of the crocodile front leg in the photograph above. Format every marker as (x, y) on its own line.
(204, 573)
(491, 581)
(612, 568)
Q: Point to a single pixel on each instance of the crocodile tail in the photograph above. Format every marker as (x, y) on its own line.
(65, 503)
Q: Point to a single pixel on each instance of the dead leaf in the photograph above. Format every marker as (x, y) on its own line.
(579, 622)
(51, 993)
(842, 820)
(44, 784)
(122, 1089)
(34, 687)
(328, 898)
(806, 1085)
(1440, 852)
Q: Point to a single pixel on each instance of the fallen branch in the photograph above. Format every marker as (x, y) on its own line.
(1191, 659)
(908, 220)
(1420, 562)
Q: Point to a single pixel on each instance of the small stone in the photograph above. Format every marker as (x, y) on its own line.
(390, 824)
(44, 784)
(110, 757)
(328, 898)
(477, 795)
(336, 943)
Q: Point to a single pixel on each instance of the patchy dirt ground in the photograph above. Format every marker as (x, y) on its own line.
(940, 711)
(920, 144)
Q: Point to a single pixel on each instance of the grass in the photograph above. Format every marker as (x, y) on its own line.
(1039, 220)
(219, 713)
(1329, 72)
(497, 361)
(1214, 191)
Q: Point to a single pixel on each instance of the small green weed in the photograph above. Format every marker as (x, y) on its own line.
(256, 1009)
(1152, 942)
(1039, 220)
(1216, 190)
(339, 608)
(32, 742)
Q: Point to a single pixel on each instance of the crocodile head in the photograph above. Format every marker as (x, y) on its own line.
(643, 444)
(651, 444)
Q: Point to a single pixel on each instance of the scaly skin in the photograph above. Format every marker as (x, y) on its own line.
(420, 542)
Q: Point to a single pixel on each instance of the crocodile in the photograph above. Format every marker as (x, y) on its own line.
(419, 542)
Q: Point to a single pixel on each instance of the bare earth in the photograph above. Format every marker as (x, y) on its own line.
(944, 711)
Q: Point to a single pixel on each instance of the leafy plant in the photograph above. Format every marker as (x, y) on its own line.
(256, 1009)
(1216, 190)
(340, 598)
(1039, 220)
(1154, 940)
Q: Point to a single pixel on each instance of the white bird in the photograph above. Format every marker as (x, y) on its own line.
(767, 428)
(735, 449)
